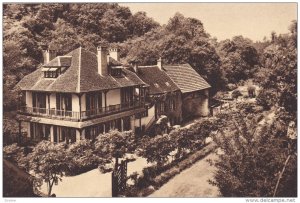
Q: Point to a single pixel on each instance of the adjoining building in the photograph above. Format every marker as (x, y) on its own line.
(194, 89)
(82, 94)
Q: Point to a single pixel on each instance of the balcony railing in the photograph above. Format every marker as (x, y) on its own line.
(83, 115)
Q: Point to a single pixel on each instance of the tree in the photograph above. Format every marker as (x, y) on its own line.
(182, 40)
(115, 144)
(239, 58)
(157, 149)
(253, 160)
(139, 24)
(280, 64)
(48, 162)
(83, 157)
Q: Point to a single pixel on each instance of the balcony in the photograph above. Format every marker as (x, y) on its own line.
(79, 116)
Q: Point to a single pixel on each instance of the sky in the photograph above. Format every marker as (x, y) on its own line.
(225, 20)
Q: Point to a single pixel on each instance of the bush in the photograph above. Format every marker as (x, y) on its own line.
(266, 98)
(236, 93)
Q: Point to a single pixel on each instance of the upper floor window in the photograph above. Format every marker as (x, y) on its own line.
(116, 72)
(53, 72)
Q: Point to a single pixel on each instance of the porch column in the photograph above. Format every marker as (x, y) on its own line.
(122, 125)
(83, 134)
(48, 103)
(78, 135)
(51, 134)
(79, 97)
(132, 123)
(105, 99)
(140, 102)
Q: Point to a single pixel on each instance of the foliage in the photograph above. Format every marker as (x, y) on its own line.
(267, 98)
(280, 63)
(182, 40)
(114, 144)
(157, 149)
(236, 93)
(83, 157)
(49, 162)
(13, 153)
(239, 58)
(251, 163)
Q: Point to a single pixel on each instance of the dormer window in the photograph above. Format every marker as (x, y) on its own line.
(116, 71)
(53, 72)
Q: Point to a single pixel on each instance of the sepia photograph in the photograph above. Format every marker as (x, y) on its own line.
(149, 100)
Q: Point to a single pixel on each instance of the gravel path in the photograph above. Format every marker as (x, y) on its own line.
(192, 182)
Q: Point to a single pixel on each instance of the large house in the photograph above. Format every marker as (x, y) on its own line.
(82, 94)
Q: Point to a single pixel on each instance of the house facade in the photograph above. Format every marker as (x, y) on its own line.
(83, 94)
(80, 95)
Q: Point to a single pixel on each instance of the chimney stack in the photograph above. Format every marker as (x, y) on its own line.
(102, 60)
(159, 63)
(114, 53)
(49, 54)
(135, 66)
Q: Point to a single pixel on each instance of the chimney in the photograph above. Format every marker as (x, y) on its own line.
(102, 60)
(114, 53)
(135, 66)
(49, 54)
(159, 63)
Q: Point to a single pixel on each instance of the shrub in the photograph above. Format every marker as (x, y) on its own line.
(236, 93)
(266, 98)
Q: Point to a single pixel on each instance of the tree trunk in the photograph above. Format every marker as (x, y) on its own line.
(50, 188)
(116, 163)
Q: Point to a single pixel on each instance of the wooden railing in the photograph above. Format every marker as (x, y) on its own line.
(77, 116)
(53, 113)
(110, 109)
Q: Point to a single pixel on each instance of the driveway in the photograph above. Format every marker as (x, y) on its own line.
(192, 182)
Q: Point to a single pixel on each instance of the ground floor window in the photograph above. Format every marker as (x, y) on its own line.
(39, 131)
(64, 134)
(121, 124)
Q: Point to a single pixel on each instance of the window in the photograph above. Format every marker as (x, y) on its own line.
(64, 102)
(162, 107)
(53, 72)
(93, 101)
(172, 104)
(116, 72)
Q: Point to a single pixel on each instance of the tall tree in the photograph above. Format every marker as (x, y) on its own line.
(255, 162)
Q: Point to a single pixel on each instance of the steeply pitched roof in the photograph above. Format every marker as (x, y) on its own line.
(186, 78)
(159, 82)
(81, 76)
